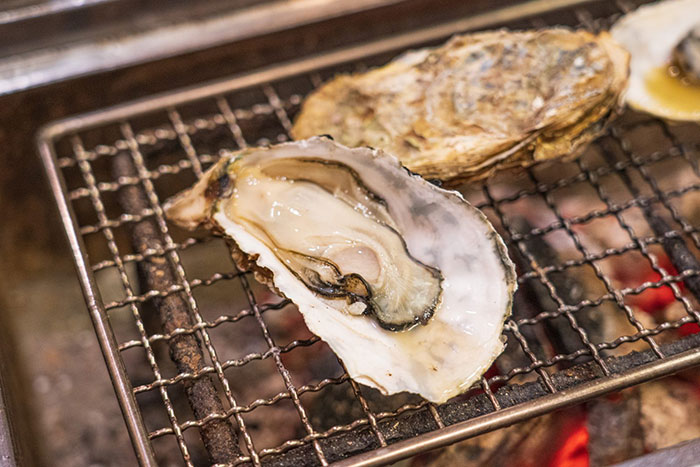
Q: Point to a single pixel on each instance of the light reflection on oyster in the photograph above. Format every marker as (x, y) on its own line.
(406, 282)
(665, 64)
(482, 101)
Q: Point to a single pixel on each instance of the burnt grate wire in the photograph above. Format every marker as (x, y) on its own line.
(209, 366)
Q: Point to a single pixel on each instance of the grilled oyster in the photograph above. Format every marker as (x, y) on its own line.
(406, 282)
(664, 41)
(477, 103)
(686, 56)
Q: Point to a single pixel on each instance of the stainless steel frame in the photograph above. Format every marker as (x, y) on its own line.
(602, 375)
(115, 40)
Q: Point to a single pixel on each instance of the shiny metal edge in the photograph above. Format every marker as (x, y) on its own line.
(684, 454)
(8, 436)
(105, 335)
(297, 67)
(511, 415)
(45, 66)
(34, 10)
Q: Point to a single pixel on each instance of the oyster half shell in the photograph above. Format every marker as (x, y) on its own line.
(663, 39)
(406, 282)
(479, 102)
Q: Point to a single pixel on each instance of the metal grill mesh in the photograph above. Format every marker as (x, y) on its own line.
(628, 200)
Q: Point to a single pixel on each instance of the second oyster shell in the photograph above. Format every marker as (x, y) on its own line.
(480, 102)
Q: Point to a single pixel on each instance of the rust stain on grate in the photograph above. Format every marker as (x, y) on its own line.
(111, 170)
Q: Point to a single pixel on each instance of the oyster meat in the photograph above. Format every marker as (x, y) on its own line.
(663, 40)
(406, 282)
(481, 101)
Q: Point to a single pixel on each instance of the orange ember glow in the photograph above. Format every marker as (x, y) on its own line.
(655, 299)
(574, 451)
(688, 329)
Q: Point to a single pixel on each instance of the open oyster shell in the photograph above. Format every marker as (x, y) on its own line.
(406, 282)
(663, 39)
(479, 102)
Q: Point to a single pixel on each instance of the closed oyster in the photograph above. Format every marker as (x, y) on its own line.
(406, 282)
(479, 102)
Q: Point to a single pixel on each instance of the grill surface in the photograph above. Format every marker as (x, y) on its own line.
(244, 365)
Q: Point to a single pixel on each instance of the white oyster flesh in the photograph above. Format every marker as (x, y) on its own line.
(407, 283)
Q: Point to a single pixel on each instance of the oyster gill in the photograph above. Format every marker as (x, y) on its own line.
(483, 101)
(406, 282)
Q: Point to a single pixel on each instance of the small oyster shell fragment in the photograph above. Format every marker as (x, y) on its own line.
(406, 282)
(483, 101)
(665, 53)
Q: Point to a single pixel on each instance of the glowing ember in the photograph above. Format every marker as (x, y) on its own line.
(574, 451)
(491, 372)
(653, 299)
(688, 329)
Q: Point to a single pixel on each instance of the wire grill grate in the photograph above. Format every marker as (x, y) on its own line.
(631, 196)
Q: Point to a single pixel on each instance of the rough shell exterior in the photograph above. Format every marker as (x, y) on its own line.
(478, 103)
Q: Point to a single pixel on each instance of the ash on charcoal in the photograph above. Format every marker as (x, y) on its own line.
(614, 428)
(527, 444)
(669, 411)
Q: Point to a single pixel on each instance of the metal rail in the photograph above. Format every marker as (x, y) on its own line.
(112, 39)
(518, 413)
(100, 320)
(307, 65)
